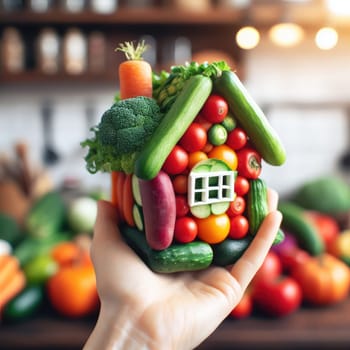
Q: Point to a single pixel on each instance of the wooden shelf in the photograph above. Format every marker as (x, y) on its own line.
(154, 16)
(308, 328)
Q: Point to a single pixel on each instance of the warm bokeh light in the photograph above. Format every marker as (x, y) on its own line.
(247, 38)
(286, 34)
(339, 7)
(326, 38)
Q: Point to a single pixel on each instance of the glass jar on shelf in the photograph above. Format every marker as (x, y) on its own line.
(48, 46)
(12, 51)
(74, 52)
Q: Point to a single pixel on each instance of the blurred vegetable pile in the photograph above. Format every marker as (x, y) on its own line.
(44, 244)
(312, 265)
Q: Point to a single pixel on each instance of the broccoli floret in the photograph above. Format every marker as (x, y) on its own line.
(122, 132)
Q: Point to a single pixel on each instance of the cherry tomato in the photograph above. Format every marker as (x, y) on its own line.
(185, 230)
(214, 228)
(215, 109)
(203, 122)
(225, 154)
(244, 308)
(237, 138)
(196, 157)
(180, 184)
(194, 139)
(241, 186)
(249, 163)
(237, 206)
(207, 148)
(239, 227)
(176, 162)
(182, 207)
(277, 297)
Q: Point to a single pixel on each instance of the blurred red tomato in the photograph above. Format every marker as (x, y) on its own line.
(326, 226)
(244, 308)
(277, 297)
(270, 269)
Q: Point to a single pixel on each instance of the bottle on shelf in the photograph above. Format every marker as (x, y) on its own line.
(48, 50)
(74, 52)
(12, 51)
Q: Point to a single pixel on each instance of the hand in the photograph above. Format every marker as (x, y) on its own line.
(144, 310)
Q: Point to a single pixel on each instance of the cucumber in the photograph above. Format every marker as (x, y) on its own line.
(257, 207)
(295, 222)
(135, 186)
(25, 304)
(201, 211)
(10, 230)
(173, 125)
(251, 118)
(46, 216)
(138, 217)
(229, 251)
(176, 258)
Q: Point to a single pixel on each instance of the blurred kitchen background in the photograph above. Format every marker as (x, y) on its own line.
(59, 72)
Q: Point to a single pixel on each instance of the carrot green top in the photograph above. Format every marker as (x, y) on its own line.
(131, 51)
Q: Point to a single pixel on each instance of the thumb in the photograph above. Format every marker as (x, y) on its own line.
(106, 225)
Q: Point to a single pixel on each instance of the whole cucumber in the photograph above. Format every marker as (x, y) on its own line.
(176, 258)
(257, 207)
(251, 118)
(173, 125)
(25, 304)
(294, 221)
(229, 251)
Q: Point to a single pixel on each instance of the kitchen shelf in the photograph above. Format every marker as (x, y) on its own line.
(308, 328)
(203, 29)
(147, 16)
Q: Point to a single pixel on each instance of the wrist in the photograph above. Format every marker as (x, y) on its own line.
(116, 329)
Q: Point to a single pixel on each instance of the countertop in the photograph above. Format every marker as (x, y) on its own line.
(308, 328)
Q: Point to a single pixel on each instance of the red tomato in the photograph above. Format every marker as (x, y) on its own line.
(277, 297)
(293, 257)
(182, 207)
(180, 184)
(326, 226)
(237, 206)
(176, 162)
(244, 308)
(241, 186)
(203, 122)
(215, 109)
(185, 229)
(239, 227)
(237, 139)
(249, 163)
(271, 268)
(194, 139)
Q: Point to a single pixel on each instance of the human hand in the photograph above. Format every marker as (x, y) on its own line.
(144, 310)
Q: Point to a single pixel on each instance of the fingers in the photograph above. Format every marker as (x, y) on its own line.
(246, 267)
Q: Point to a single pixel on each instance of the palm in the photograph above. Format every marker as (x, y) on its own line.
(188, 304)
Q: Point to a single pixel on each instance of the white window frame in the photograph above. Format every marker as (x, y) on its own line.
(225, 187)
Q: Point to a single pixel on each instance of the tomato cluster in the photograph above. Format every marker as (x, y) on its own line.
(213, 134)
